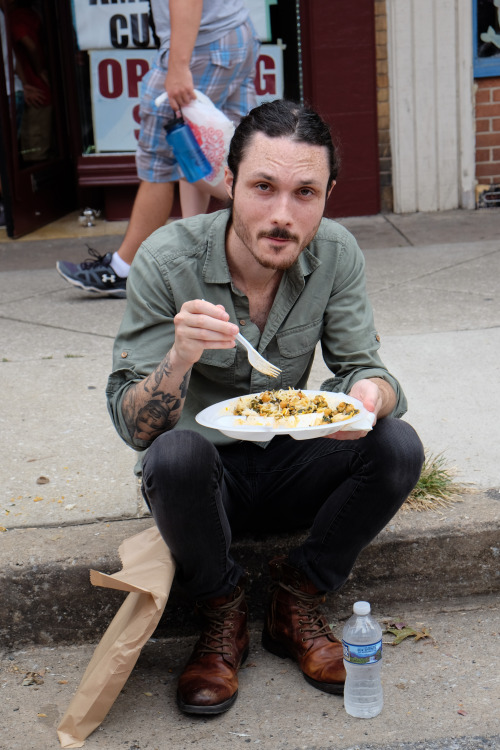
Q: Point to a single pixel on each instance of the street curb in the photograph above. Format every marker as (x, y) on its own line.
(47, 596)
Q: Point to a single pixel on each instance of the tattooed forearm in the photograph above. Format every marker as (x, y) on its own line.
(163, 371)
(155, 404)
(152, 383)
(146, 419)
(156, 416)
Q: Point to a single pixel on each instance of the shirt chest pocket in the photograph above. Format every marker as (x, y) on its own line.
(218, 365)
(296, 352)
(300, 341)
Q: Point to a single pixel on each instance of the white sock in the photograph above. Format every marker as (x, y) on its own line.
(120, 266)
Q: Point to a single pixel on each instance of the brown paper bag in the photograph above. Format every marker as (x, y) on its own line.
(147, 573)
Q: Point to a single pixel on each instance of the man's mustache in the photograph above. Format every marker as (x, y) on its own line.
(279, 234)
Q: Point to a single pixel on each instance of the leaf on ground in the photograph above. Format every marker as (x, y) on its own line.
(401, 633)
(424, 633)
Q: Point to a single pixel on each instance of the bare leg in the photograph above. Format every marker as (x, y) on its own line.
(193, 201)
(152, 207)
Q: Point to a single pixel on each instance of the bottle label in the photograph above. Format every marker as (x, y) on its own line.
(368, 653)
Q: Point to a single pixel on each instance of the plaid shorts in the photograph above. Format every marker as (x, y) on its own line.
(223, 70)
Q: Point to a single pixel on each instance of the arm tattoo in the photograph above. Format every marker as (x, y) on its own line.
(162, 371)
(146, 418)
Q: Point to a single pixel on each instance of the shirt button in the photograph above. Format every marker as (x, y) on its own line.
(124, 355)
(243, 322)
(377, 337)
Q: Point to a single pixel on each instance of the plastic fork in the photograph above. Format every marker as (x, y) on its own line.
(257, 360)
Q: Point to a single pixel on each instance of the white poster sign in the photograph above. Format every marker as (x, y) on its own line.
(108, 24)
(115, 81)
(101, 24)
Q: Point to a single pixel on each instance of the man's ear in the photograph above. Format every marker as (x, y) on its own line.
(334, 182)
(228, 181)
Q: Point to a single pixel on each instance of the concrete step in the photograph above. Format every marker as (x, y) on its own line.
(424, 556)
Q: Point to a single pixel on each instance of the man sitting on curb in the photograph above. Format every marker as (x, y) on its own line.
(272, 264)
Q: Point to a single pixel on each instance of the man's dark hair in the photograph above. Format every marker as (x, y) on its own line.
(278, 119)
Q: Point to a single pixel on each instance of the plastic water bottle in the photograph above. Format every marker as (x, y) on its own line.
(187, 151)
(362, 642)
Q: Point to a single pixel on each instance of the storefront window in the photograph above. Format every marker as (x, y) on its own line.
(486, 38)
(115, 47)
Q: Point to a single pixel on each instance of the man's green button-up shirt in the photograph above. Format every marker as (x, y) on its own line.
(321, 298)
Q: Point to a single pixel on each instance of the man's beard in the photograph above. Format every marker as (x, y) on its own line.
(277, 263)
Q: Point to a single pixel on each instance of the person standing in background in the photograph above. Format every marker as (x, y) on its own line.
(26, 28)
(20, 93)
(11, 75)
(209, 45)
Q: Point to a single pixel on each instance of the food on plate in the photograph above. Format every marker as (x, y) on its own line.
(292, 408)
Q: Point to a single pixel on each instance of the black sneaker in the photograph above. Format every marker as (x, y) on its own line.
(95, 276)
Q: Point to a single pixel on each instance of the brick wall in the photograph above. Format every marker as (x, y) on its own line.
(383, 112)
(488, 131)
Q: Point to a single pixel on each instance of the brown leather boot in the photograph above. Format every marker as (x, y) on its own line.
(209, 683)
(295, 628)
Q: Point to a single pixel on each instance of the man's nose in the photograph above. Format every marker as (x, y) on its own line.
(282, 213)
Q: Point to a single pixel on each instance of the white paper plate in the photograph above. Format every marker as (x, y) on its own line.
(220, 417)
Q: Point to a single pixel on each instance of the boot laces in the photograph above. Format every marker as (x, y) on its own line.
(215, 638)
(95, 260)
(312, 622)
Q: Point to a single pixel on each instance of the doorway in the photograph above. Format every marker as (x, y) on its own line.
(36, 170)
(339, 64)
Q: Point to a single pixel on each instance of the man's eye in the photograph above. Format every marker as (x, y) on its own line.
(305, 192)
(262, 186)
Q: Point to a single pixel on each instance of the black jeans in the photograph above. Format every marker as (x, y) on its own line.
(345, 492)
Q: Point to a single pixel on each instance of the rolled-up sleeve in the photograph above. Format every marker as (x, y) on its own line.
(118, 383)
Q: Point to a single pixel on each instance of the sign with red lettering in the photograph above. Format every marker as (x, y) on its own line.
(115, 84)
(269, 73)
(101, 24)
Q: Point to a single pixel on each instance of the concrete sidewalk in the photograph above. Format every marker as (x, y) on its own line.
(69, 498)
(440, 693)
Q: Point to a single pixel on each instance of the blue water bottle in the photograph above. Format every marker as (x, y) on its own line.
(187, 151)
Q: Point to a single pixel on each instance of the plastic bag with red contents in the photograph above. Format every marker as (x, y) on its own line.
(213, 131)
